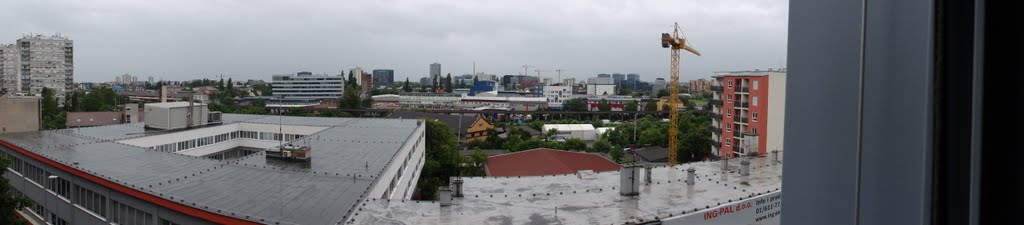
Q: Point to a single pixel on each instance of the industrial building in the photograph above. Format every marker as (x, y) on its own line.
(305, 85)
(734, 191)
(747, 110)
(252, 169)
(584, 132)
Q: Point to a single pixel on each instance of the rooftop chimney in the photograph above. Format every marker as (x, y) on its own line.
(163, 93)
(690, 175)
(444, 196)
(647, 174)
(745, 168)
(457, 182)
(628, 176)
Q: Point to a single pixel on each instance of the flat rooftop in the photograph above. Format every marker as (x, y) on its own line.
(584, 198)
(348, 155)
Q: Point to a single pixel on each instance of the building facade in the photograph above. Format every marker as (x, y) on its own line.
(659, 84)
(748, 109)
(435, 71)
(35, 62)
(305, 85)
(699, 86)
(383, 76)
(556, 95)
(600, 89)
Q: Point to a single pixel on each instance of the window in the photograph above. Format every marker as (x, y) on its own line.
(753, 100)
(755, 84)
(728, 129)
(730, 83)
(167, 222)
(59, 185)
(91, 201)
(729, 114)
(127, 215)
(753, 116)
(56, 220)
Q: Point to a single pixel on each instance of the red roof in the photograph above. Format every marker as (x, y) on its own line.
(544, 161)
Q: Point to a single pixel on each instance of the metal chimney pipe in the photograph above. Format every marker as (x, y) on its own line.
(775, 156)
(745, 168)
(691, 175)
(725, 164)
(444, 196)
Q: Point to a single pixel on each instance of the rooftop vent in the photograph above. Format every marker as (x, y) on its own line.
(690, 175)
(444, 196)
(628, 175)
(745, 168)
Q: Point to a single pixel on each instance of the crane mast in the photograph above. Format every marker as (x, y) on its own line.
(674, 42)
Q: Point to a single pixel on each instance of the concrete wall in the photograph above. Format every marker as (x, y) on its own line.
(20, 114)
(776, 112)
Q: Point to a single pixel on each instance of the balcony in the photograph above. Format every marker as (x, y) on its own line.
(715, 130)
(715, 115)
(715, 143)
(717, 88)
(738, 119)
(742, 89)
(737, 134)
(741, 104)
(717, 102)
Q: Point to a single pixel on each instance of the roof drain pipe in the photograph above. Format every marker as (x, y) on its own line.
(690, 176)
(457, 182)
(444, 196)
(647, 174)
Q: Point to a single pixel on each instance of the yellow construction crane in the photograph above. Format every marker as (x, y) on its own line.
(675, 42)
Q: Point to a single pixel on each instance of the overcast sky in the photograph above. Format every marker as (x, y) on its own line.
(253, 39)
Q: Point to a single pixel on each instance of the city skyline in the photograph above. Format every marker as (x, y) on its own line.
(173, 41)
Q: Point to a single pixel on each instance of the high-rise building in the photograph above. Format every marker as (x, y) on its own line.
(383, 76)
(659, 84)
(633, 77)
(618, 77)
(604, 75)
(435, 71)
(35, 62)
(10, 64)
(127, 79)
(304, 85)
(150, 79)
(357, 73)
(698, 86)
(748, 110)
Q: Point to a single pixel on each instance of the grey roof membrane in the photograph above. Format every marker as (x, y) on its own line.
(581, 199)
(347, 157)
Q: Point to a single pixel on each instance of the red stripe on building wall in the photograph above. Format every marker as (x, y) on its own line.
(178, 207)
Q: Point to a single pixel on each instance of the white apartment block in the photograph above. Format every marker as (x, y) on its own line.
(600, 89)
(556, 95)
(35, 62)
(305, 85)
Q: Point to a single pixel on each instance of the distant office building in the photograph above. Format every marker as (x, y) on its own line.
(569, 81)
(306, 86)
(435, 71)
(604, 75)
(127, 79)
(383, 76)
(35, 62)
(659, 84)
(600, 80)
(426, 81)
(618, 77)
(748, 110)
(633, 77)
(150, 79)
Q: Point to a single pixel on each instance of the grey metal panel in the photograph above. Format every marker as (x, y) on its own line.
(821, 111)
(895, 163)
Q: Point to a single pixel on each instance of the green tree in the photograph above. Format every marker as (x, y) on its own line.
(575, 144)
(220, 85)
(441, 160)
(604, 106)
(100, 99)
(651, 106)
(406, 87)
(436, 82)
(350, 99)
(617, 154)
(53, 115)
(575, 105)
(551, 133)
(297, 112)
(662, 93)
(448, 83)
(475, 163)
(632, 106)
(9, 202)
(601, 146)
